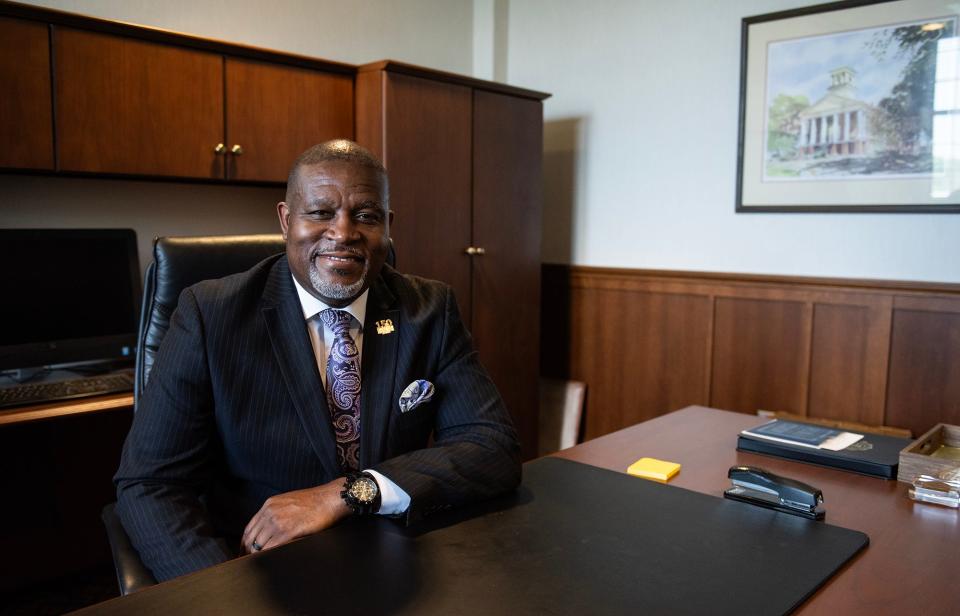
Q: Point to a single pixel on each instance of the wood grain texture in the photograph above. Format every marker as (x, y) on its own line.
(402, 68)
(54, 410)
(644, 354)
(811, 347)
(26, 111)
(761, 351)
(918, 459)
(168, 37)
(464, 167)
(507, 167)
(428, 153)
(131, 107)
(846, 371)
(369, 105)
(276, 112)
(924, 384)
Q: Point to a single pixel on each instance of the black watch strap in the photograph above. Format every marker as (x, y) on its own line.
(361, 493)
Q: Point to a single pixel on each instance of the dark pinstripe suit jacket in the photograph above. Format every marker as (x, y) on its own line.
(234, 412)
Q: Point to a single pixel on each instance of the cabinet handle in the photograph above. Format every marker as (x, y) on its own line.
(236, 150)
(475, 250)
(220, 149)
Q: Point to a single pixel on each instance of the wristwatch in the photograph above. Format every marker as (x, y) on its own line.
(361, 493)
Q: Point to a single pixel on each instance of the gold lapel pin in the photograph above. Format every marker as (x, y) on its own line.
(385, 327)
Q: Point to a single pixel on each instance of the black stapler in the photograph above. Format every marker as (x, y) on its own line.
(760, 487)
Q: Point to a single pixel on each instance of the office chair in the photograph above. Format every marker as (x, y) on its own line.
(561, 414)
(178, 262)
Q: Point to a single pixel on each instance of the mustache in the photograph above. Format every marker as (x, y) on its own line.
(324, 249)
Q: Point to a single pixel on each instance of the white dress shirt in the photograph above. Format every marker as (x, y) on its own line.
(393, 500)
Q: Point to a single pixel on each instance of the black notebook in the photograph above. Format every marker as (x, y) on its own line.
(874, 454)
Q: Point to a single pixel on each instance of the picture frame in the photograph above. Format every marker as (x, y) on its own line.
(850, 106)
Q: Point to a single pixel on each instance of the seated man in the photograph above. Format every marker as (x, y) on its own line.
(275, 387)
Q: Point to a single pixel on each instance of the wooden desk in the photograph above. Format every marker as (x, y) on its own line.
(913, 559)
(910, 562)
(58, 461)
(53, 410)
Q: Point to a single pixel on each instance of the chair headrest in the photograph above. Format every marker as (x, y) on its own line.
(183, 261)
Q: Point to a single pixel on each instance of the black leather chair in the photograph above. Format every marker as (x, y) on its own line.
(178, 262)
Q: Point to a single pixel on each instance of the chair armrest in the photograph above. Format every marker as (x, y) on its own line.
(132, 574)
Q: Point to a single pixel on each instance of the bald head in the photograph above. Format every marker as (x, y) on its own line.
(342, 150)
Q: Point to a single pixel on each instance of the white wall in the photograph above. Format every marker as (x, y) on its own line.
(434, 33)
(640, 150)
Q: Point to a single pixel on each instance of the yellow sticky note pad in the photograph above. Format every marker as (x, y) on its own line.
(651, 468)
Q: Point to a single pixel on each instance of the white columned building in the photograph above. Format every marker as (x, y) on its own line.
(836, 125)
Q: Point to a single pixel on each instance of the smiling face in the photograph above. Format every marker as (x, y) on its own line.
(336, 224)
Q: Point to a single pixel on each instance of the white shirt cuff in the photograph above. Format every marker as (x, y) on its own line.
(393, 500)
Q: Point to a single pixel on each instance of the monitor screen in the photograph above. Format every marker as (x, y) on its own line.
(69, 296)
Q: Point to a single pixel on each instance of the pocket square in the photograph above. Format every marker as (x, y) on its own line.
(416, 393)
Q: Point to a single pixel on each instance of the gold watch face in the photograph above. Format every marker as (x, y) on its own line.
(364, 490)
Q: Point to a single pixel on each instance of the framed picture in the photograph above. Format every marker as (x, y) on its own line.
(851, 107)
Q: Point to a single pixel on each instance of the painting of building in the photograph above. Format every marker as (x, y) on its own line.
(837, 123)
(873, 106)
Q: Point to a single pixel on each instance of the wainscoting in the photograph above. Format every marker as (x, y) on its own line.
(649, 342)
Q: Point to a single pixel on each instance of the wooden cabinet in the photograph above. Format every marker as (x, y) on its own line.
(26, 117)
(275, 112)
(137, 107)
(464, 158)
(427, 150)
(506, 223)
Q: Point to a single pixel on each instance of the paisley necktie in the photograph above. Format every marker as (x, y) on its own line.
(343, 388)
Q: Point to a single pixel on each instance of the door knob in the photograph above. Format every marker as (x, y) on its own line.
(236, 150)
(220, 149)
(475, 250)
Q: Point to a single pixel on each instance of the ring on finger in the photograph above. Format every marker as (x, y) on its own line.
(256, 546)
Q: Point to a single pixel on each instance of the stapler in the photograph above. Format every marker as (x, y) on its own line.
(760, 487)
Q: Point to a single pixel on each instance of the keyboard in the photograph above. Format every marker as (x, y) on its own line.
(32, 393)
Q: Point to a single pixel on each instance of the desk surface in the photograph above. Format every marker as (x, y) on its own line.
(64, 408)
(913, 558)
(909, 565)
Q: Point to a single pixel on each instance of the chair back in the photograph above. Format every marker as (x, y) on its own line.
(179, 262)
(561, 414)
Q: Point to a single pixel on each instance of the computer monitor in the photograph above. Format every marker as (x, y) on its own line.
(70, 296)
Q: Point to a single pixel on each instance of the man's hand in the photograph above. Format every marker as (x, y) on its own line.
(285, 517)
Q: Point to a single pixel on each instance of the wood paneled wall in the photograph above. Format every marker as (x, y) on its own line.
(649, 342)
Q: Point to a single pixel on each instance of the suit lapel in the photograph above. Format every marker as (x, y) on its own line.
(377, 372)
(283, 317)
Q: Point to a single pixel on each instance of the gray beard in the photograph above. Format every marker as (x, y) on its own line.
(334, 290)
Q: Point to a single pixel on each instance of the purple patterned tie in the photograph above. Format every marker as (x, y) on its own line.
(343, 388)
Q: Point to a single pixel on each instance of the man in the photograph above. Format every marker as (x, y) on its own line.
(250, 432)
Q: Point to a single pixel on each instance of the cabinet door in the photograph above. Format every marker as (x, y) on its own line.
(128, 106)
(427, 153)
(275, 112)
(26, 115)
(507, 176)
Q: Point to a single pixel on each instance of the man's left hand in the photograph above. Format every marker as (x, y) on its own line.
(287, 516)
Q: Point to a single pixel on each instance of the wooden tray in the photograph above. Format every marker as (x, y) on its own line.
(919, 457)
